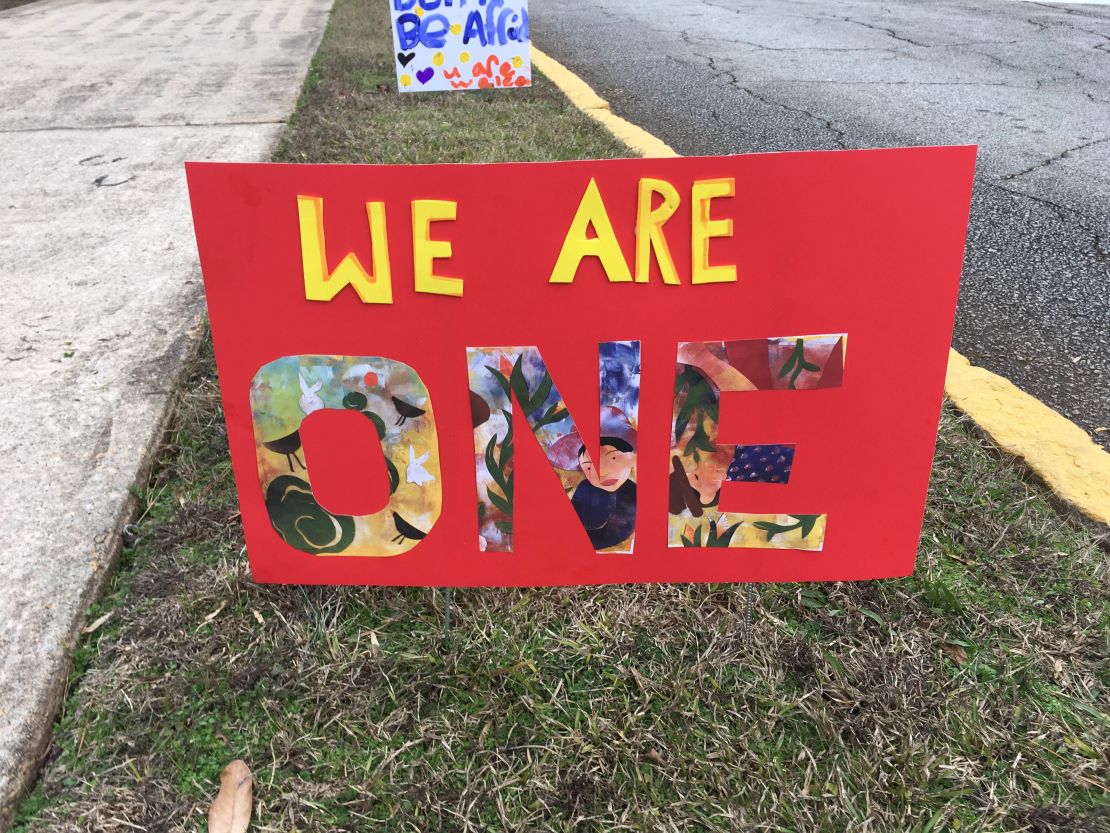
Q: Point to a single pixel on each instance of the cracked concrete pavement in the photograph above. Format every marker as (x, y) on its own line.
(103, 102)
(1028, 82)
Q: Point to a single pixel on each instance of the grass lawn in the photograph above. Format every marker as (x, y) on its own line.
(972, 696)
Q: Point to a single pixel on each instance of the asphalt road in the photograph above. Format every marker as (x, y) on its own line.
(1027, 82)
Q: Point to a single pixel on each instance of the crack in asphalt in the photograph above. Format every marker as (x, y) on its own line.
(1066, 214)
(823, 82)
(711, 62)
(837, 133)
(1067, 10)
(1044, 163)
(885, 29)
(999, 61)
(713, 5)
(733, 81)
(689, 40)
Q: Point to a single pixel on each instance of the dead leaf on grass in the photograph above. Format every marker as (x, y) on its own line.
(231, 811)
(653, 757)
(956, 653)
(95, 625)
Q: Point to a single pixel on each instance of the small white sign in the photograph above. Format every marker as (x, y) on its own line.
(461, 44)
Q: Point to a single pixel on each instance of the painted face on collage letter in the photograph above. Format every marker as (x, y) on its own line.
(615, 468)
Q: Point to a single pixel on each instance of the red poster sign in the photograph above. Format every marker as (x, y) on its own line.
(694, 369)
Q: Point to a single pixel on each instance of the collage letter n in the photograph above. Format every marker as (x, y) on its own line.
(601, 484)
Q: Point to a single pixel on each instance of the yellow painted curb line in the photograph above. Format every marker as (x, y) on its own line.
(583, 97)
(1058, 450)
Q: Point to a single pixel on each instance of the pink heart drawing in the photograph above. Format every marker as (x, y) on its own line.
(425, 75)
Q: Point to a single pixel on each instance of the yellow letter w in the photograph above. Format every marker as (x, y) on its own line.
(319, 284)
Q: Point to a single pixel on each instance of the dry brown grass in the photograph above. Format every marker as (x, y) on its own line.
(972, 696)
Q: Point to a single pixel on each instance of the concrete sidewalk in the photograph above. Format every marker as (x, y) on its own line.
(102, 102)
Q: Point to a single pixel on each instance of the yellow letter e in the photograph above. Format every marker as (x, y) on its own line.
(703, 229)
(425, 250)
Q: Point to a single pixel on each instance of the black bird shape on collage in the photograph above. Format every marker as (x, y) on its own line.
(287, 445)
(406, 530)
(406, 410)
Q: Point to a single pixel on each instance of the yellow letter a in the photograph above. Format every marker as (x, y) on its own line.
(591, 212)
(319, 285)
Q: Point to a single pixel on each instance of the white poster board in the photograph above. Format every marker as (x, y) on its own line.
(461, 44)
